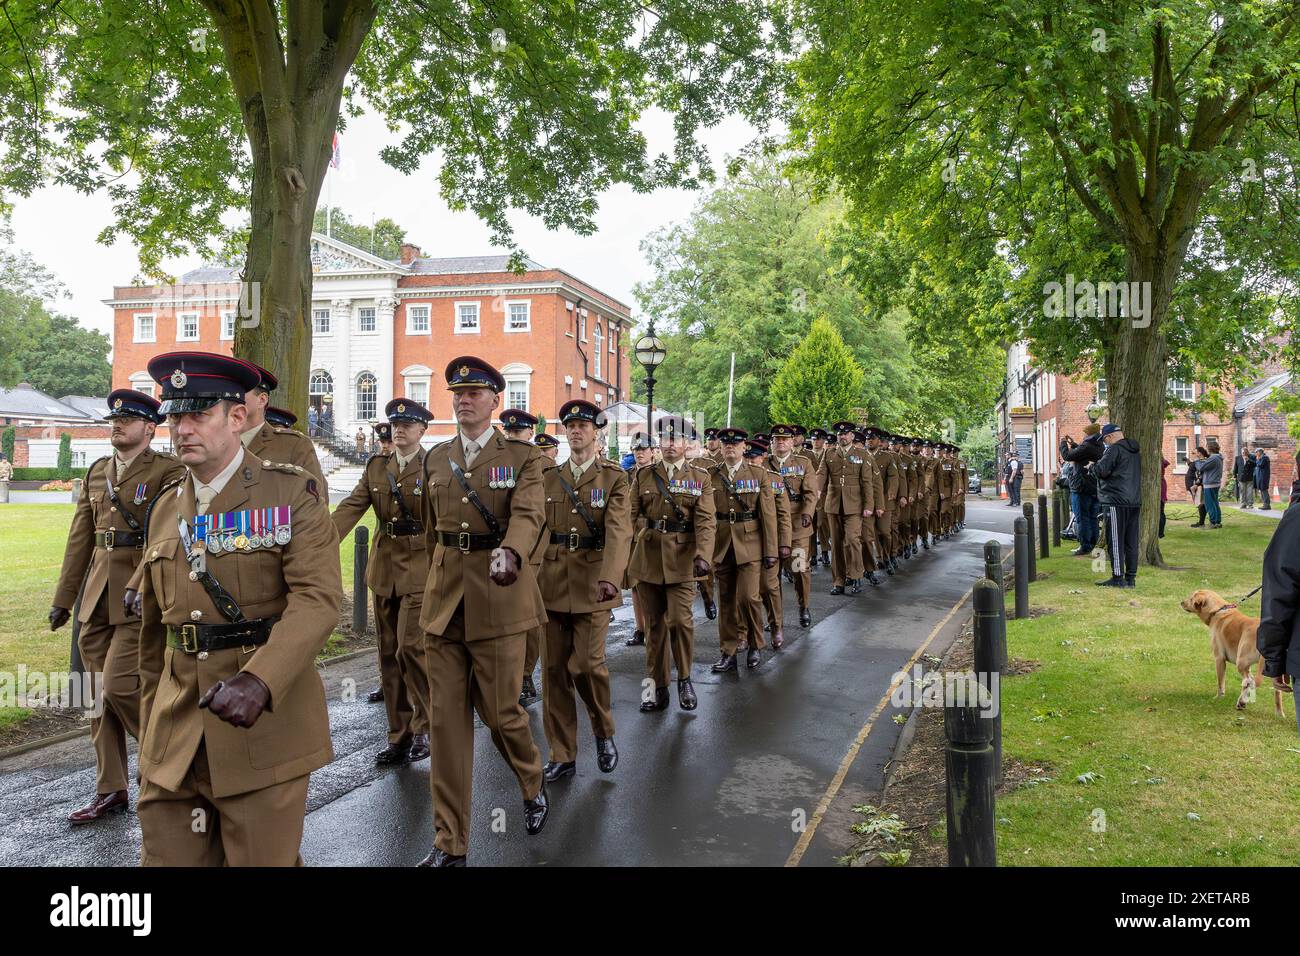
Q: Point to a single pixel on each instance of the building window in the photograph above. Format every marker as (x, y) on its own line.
(418, 392)
(517, 317)
(517, 393)
(582, 325)
(144, 327)
(613, 339)
(320, 321)
(1183, 391)
(78, 459)
(366, 319)
(1180, 453)
(597, 352)
(143, 382)
(187, 327)
(321, 383)
(466, 317)
(417, 320)
(367, 397)
(227, 325)
(1102, 392)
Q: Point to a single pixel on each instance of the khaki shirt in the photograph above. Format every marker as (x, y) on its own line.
(800, 478)
(569, 578)
(755, 538)
(848, 482)
(668, 557)
(110, 572)
(398, 564)
(297, 583)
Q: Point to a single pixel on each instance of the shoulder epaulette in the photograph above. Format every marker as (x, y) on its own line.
(378, 454)
(96, 462)
(288, 431)
(283, 466)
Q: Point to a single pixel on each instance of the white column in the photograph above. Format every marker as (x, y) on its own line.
(388, 386)
(344, 400)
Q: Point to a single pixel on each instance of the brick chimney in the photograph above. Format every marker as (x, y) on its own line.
(410, 253)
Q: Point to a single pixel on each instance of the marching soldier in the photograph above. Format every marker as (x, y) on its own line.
(712, 446)
(930, 476)
(769, 578)
(270, 442)
(384, 432)
(947, 488)
(799, 478)
(870, 556)
(104, 548)
(280, 417)
(886, 517)
(644, 453)
(822, 541)
(674, 522)
(744, 546)
(396, 573)
(848, 495)
(241, 591)
(915, 494)
(549, 444)
(484, 511)
(710, 455)
(521, 426)
(963, 479)
(589, 520)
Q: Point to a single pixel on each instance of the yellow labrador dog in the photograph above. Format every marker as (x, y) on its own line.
(1232, 638)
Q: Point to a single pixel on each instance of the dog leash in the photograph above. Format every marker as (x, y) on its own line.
(1242, 599)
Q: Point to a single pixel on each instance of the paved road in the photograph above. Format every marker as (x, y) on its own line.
(799, 740)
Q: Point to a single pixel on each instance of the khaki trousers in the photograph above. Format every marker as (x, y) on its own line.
(532, 650)
(191, 827)
(770, 588)
(402, 671)
(111, 654)
(802, 579)
(575, 660)
(739, 615)
(668, 610)
(846, 547)
(467, 676)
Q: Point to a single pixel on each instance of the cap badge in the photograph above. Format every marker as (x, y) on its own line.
(179, 379)
(118, 403)
(464, 370)
(573, 410)
(401, 408)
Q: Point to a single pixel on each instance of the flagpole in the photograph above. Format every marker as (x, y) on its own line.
(731, 387)
(329, 203)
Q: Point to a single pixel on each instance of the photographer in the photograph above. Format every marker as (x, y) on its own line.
(1083, 456)
(1119, 488)
(1210, 473)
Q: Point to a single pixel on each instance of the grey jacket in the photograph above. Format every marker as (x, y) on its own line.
(1211, 470)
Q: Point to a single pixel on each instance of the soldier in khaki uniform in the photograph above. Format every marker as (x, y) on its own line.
(241, 591)
(822, 541)
(963, 478)
(521, 426)
(484, 511)
(267, 441)
(745, 545)
(396, 572)
(947, 489)
(887, 500)
(848, 495)
(589, 539)
(871, 559)
(711, 455)
(550, 446)
(799, 485)
(673, 523)
(769, 578)
(106, 539)
(910, 453)
(929, 494)
(644, 452)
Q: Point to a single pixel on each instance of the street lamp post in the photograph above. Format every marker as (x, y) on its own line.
(650, 352)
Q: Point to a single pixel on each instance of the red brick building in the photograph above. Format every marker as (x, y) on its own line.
(384, 328)
(1038, 409)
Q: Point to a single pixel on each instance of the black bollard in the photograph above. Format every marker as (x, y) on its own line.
(1024, 553)
(1056, 520)
(993, 562)
(968, 768)
(991, 659)
(360, 552)
(1042, 524)
(1028, 510)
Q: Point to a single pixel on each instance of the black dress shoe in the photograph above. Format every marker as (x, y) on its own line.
(441, 858)
(99, 807)
(889, 567)
(606, 754)
(805, 617)
(686, 698)
(710, 609)
(727, 662)
(419, 747)
(778, 640)
(394, 754)
(826, 558)
(925, 544)
(838, 589)
(855, 586)
(554, 771)
(637, 639)
(375, 696)
(660, 701)
(535, 811)
(751, 659)
(875, 581)
(528, 693)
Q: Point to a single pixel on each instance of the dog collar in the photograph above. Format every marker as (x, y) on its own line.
(1221, 608)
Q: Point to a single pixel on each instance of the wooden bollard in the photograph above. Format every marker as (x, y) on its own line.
(1024, 553)
(993, 562)
(968, 770)
(360, 596)
(991, 658)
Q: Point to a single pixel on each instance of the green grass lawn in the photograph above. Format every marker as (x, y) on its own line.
(1126, 692)
(32, 538)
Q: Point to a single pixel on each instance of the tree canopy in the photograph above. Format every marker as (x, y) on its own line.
(384, 239)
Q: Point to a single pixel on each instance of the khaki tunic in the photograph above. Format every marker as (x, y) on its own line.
(273, 443)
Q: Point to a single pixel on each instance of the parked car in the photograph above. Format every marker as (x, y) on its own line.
(974, 483)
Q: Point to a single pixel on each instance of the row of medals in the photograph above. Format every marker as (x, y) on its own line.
(247, 542)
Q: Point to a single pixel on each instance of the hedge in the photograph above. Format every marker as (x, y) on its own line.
(44, 474)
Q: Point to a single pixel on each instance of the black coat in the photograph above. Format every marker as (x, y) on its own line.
(1279, 623)
(1084, 455)
(1119, 474)
(1263, 471)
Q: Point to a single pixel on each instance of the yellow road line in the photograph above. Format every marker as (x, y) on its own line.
(805, 839)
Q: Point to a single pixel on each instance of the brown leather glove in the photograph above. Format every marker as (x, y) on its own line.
(783, 552)
(605, 592)
(805, 521)
(511, 574)
(58, 617)
(701, 567)
(238, 701)
(769, 562)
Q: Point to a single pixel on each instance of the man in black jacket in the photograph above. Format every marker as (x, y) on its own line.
(1119, 486)
(1246, 481)
(1277, 638)
(1084, 455)
(1262, 476)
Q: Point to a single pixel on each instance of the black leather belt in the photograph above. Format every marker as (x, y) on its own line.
(192, 638)
(465, 541)
(402, 529)
(576, 542)
(731, 517)
(108, 540)
(796, 496)
(672, 526)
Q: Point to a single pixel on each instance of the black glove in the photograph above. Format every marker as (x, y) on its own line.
(701, 567)
(132, 603)
(58, 617)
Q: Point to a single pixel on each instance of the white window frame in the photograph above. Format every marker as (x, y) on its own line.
(582, 325)
(356, 393)
(329, 321)
(418, 392)
(78, 458)
(598, 346)
(1177, 386)
(180, 326)
(135, 322)
(458, 328)
(518, 380)
(228, 315)
(374, 319)
(416, 376)
(1180, 467)
(143, 382)
(528, 315)
(613, 338)
(1103, 391)
(424, 308)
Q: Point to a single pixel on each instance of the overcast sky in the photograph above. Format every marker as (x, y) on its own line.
(58, 226)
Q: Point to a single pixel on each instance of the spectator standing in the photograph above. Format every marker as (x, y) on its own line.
(1263, 475)
(1277, 638)
(1084, 456)
(313, 421)
(361, 442)
(1193, 481)
(1238, 463)
(1015, 474)
(1119, 489)
(1246, 482)
(1211, 474)
(1164, 494)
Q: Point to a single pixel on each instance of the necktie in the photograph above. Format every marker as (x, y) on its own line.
(203, 496)
(577, 473)
(471, 452)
